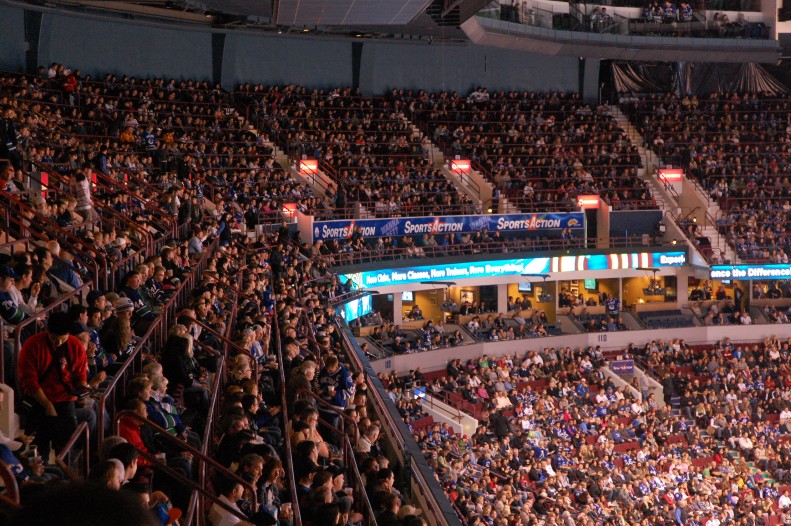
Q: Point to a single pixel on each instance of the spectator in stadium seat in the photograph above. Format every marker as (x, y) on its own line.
(230, 492)
(116, 335)
(182, 370)
(11, 310)
(6, 176)
(50, 258)
(196, 242)
(336, 385)
(52, 367)
(143, 310)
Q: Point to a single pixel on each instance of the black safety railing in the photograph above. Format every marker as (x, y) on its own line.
(289, 460)
(204, 462)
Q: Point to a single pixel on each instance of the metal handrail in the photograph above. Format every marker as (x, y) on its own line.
(82, 429)
(208, 438)
(131, 366)
(203, 459)
(11, 494)
(316, 348)
(156, 334)
(373, 254)
(94, 259)
(289, 461)
(35, 318)
(376, 398)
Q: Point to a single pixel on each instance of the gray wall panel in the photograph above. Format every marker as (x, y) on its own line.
(461, 67)
(108, 46)
(281, 59)
(12, 38)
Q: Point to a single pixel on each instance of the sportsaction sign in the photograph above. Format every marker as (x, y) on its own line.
(344, 229)
(515, 267)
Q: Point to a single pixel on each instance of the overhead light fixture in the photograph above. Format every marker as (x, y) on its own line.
(305, 29)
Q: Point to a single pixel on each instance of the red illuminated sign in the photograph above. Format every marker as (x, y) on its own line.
(44, 183)
(289, 209)
(460, 166)
(671, 175)
(588, 201)
(308, 166)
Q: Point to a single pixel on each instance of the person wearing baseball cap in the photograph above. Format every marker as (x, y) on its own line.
(10, 310)
(52, 366)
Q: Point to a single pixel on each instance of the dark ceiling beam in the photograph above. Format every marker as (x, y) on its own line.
(451, 7)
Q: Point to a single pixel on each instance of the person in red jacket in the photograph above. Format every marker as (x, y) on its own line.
(131, 429)
(52, 370)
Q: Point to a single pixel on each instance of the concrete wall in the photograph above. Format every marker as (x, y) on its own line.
(438, 360)
(443, 413)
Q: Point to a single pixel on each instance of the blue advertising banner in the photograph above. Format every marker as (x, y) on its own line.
(751, 272)
(355, 309)
(406, 226)
(622, 367)
(515, 267)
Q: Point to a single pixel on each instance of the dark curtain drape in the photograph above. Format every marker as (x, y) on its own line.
(643, 77)
(703, 78)
(687, 78)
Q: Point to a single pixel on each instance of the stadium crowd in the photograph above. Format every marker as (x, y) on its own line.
(733, 144)
(539, 150)
(366, 145)
(249, 317)
(560, 443)
(223, 304)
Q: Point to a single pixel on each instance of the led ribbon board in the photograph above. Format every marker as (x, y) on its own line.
(751, 272)
(514, 267)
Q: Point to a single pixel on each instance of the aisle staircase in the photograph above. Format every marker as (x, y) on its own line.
(669, 200)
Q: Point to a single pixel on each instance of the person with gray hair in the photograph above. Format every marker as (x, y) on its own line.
(108, 444)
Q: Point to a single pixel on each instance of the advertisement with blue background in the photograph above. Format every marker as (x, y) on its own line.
(515, 267)
(407, 226)
(751, 272)
(622, 367)
(355, 308)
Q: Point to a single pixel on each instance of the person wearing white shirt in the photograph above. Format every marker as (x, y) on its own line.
(745, 443)
(784, 502)
(785, 418)
(29, 306)
(230, 493)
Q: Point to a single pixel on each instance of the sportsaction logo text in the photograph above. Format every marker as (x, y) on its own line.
(527, 224)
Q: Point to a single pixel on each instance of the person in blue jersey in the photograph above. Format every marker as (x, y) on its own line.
(10, 310)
